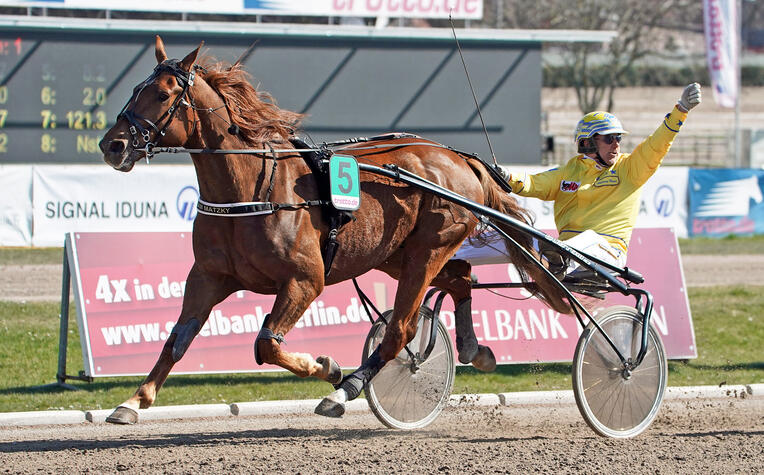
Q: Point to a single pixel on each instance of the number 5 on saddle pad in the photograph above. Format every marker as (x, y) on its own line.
(344, 182)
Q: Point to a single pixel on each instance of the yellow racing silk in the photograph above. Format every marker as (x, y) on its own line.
(587, 195)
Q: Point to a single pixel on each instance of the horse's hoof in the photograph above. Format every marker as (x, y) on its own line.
(123, 415)
(485, 360)
(333, 370)
(332, 405)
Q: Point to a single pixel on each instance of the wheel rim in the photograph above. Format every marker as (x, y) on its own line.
(404, 396)
(616, 401)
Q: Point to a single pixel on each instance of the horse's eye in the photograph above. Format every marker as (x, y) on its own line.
(163, 96)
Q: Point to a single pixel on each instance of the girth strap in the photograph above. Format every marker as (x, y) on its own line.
(252, 208)
(317, 160)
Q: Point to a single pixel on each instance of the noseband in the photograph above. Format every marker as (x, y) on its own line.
(137, 121)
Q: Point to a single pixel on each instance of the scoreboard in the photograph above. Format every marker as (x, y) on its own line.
(59, 93)
(61, 88)
(54, 100)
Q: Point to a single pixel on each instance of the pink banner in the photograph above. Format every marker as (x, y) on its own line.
(130, 287)
(720, 20)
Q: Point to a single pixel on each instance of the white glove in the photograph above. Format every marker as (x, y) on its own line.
(690, 97)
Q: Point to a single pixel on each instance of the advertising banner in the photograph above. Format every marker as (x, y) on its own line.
(720, 20)
(664, 201)
(463, 9)
(729, 201)
(97, 198)
(43, 202)
(16, 205)
(129, 288)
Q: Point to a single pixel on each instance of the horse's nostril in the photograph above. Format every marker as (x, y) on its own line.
(117, 146)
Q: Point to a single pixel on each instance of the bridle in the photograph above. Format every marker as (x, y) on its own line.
(137, 129)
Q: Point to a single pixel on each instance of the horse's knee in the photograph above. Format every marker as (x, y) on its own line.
(458, 268)
(456, 278)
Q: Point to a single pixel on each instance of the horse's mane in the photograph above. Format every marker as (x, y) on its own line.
(255, 112)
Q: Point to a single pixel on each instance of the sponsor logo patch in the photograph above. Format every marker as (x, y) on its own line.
(569, 186)
(607, 180)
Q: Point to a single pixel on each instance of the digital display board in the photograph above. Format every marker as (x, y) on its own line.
(61, 89)
(53, 100)
(60, 93)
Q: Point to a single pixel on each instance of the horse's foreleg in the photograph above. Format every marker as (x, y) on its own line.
(456, 279)
(290, 303)
(401, 329)
(203, 292)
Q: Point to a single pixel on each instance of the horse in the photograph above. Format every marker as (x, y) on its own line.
(206, 106)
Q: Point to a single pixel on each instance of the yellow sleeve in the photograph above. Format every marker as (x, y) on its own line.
(648, 155)
(543, 186)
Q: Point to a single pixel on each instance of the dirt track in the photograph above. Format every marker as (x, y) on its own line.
(695, 436)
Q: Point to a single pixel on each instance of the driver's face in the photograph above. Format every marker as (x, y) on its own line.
(608, 151)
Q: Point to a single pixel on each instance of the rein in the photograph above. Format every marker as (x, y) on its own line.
(257, 208)
(153, 150)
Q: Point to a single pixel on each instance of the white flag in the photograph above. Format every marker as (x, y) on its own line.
(722, 46)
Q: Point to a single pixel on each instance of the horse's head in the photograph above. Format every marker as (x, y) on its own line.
(156, 114)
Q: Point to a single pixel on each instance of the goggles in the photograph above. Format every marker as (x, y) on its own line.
(608, 139)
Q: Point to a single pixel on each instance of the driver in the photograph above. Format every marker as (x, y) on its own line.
(596, 193)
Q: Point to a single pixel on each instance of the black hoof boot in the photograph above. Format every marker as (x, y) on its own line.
(466, 341)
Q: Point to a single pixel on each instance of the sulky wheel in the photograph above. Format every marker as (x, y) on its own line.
(617, 401)
(410, 393)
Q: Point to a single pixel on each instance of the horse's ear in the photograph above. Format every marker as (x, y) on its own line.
(190, 58)
(159, 51)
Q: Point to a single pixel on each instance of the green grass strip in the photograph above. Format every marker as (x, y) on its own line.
(728, 321)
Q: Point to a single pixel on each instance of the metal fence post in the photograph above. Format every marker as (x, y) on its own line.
(63, 331)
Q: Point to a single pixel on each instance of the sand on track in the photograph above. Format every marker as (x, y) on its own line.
(43, 282)
(689, 436)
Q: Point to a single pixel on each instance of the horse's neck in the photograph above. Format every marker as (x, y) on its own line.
(223, 178)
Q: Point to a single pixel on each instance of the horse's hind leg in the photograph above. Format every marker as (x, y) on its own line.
(203, 291)
(291, 301)
(456, 279)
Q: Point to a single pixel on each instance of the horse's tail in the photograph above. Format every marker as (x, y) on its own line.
(496, 198)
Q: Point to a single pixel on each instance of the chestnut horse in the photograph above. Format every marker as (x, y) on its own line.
(401, 230)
